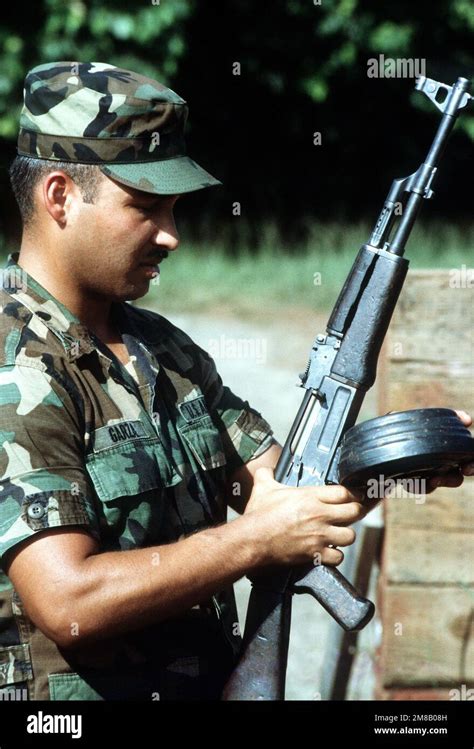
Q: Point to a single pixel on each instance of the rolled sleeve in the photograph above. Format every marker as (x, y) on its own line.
(246, 435)
(43, 482)
(244, 432)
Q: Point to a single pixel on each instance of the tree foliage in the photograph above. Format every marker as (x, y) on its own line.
(303, 69)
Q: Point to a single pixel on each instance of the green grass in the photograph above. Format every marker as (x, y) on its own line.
(201, 278)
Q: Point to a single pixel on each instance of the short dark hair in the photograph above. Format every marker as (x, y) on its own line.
(25, 173)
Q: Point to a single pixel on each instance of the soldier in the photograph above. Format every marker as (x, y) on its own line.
(120, 443)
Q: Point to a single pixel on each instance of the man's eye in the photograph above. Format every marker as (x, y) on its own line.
(144, 208)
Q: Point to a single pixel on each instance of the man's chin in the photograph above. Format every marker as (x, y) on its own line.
(129, 288)
(135, 292)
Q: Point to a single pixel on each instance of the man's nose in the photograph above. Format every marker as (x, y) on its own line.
(166, 234)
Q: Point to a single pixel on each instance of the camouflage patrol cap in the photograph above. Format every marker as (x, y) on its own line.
(95, 113)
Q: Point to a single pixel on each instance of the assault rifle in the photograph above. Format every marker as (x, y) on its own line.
(324, 446)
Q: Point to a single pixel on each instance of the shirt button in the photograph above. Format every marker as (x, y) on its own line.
(36, 510)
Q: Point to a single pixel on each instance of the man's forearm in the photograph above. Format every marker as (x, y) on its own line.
(117, 592)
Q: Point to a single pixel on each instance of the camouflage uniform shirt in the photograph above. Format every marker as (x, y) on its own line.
(136, 462)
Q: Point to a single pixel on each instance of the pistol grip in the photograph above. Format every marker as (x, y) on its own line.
(335, 593)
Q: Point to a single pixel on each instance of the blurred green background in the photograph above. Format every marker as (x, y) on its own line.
(304, 208)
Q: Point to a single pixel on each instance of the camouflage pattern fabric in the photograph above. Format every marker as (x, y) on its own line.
(136, 463)
(95, 113)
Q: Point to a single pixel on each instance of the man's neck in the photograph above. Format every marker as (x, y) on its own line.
(93, 312)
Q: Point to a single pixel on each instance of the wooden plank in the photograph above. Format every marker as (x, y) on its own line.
(438, 557)
(429, 350)
(428, 637)
(416, 389)
(452, 509)
(432, 319)
(425, 695)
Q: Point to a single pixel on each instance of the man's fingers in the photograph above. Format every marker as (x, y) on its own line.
(347, 513)
(334, 495)
(451, 480)
(331, 556)
(341, 536)
(465, 417)
(468, 469)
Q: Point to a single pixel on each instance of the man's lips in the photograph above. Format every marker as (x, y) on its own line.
(150, 266)
(151, 270)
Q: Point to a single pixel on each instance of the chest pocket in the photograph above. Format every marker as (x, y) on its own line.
(130, 481)
(131, 468)
(204, 442)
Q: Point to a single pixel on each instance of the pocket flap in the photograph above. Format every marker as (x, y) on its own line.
(71, 687)
(15, 664)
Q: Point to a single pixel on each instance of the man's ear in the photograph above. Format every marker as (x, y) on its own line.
(57, 190)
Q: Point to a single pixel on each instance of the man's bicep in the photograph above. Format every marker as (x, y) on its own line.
(58, 554)
(240, 482)
(42, 475)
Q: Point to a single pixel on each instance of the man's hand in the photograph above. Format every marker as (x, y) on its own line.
(298, 525)
(455, 478)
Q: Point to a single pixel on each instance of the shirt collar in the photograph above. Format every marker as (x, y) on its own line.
(74, 335)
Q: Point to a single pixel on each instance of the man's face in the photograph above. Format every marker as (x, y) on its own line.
(114, 244)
